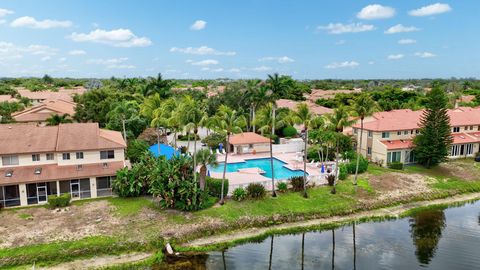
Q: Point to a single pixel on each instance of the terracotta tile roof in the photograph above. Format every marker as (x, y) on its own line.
(50, 172)
(471, 137)
(44, 95)
(7, 98)
(292, 105)
(247, 138)
(43, 111)
(30, 138)
(397, 144)
(327, 94)
(407, 119)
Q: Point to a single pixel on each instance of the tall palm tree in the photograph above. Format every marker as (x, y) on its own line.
(228, 122)
(166, 115)
(276, 89)
(124, 109)
(205, 158)
(266, 119)
(56, 119)
(364, 106)
(256, 96)
(303, 115)
(149, 105)
(158, 85)
(338, 120)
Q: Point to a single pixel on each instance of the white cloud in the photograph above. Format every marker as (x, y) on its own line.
(204, 62)
(77, 52)
(117, 38)
(198, 25)
(12, 51)
(261, 68)
(407, 41)
(373, 12)
(121, 66)
(202, 50)
(281, 59)
(346, 64)
(5, 12)
(399, 28)
(371, 62)
(234, 70)
(31, 22)
(429, 10)
(112, 63)
(395, 56)
(340, 28)
(425, 54)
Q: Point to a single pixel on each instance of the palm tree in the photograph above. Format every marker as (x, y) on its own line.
(276, 89)
(256, 95)
(56, 119)
(364, 106)
(149, 105)
(158, 85)
(266, 119)
(227, 121)
(124, 109)
(166, 115)
(304, 116)
(204, 157)
(338, 120)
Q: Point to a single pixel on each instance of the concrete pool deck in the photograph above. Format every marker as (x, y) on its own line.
(244, 177)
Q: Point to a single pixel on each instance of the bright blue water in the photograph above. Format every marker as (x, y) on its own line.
(165, 150)
(281, 172)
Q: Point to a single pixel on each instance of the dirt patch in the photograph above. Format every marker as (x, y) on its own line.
(392, 185)
(103, 261)
(459, 169)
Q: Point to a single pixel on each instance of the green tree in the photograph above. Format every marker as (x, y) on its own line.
(266, 120)
(158, 85)
(6, 110)
(431, 146)
(276, 89)
(136, 150)
(363, 106)
(205, 158)
(228, 122)
(125, 117)
(56, 119)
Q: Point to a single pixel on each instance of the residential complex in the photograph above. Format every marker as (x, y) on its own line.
(44, 110)
(387, 136)
(36, 161)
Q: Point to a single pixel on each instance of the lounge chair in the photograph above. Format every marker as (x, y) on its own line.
(218, 152)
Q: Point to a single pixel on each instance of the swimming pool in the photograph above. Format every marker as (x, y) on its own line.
(281, 172)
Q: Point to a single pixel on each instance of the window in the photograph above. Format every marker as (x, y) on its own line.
(370, 134)
(110, 154)
(405, 132)
(66, 156)
(369, 150)
(35, 157)
(355, 130)
(393, 156)
(456, 129)
(50, 156)
(417, 131)
(471, 127)
(399, 133)
(411, 131)
(79, 155)
(9, 160)
(385, 134)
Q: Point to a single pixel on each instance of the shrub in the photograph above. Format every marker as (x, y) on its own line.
(239, 194)
(330, 179)
(214, 139)
(297, 183)
(342, 172)
(282, 186)
(289, 131)
(182, 137)
(395, 165)
(214, 187)
(136, 149)
(256, 191)
(55, 201)
(362, 165)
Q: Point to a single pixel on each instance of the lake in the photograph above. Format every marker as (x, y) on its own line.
(431, 239)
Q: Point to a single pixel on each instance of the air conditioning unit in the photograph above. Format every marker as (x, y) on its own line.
(37, 171)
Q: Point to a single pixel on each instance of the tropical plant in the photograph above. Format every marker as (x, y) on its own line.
(227, 121)
(6, 110)
(330, 179)
(205, 158)
(56, 119)
(239, 194)
(363, 106)
(255, 191)
(297, 183)
(126, 183)
(213, 140)
(158, 86)
(125, 113)
(282, 186)
(276, 89)
(136, 149)
(214, 187)
(289, 131)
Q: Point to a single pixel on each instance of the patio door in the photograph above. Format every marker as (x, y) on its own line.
(75, 189)
(42, 193)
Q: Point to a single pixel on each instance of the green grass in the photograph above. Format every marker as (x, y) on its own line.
(25, 216)
(129, 206)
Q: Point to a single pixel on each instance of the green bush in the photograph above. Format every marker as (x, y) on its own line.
(239, 194)
(255, 191)
(362, 165)
(289, 131)
(182, 137)
(136, 149)
(55, 201)
(214, 187)
(342, 172)
(330, 179)
(282, 186)
(297, 183)
(213, 140)
(395, 165)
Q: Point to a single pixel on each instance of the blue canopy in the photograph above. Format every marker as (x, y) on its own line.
(165, 150)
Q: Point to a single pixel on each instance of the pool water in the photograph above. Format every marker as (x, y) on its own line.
(165, 150)
(281, 172)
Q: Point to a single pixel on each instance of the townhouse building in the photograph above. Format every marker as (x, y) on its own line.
(388, 136)
(36, 161)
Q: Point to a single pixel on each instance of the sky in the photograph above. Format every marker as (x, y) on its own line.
(309, 39)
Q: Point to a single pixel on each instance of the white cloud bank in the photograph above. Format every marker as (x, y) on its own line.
(400, 28)
(395, 56)
(77, 52)
(5, 12)
(425, 54)
(407, 41)
(434, 9)
(281, 59)
(340, 28)
(198, 25)
(117, 38)
(346, 64)
(374, 12)
(31, 22)
(202, 50)
(112, 63)
(206, 62)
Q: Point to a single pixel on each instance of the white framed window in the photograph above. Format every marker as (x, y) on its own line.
(370, 134)
(399, 133)
(50, 156)
(66, 156)
(109, 154)
(79, 155)
(456, 129)
(36, 157)
(9, 160)
(369, 150)
(385, 134)
(394, 156)
(405, 132)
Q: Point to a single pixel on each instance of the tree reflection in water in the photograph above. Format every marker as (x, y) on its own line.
(271, 254)
(333, 249)
(426, 230)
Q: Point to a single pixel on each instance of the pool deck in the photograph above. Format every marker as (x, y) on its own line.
(246, 176)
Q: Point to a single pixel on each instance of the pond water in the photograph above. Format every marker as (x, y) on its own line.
(431, 239)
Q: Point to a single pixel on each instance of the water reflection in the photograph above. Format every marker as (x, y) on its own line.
(426, 230)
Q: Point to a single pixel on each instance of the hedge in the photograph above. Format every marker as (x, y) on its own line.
(55, 201)
(289, 131)
(214, 187)
(395, 165)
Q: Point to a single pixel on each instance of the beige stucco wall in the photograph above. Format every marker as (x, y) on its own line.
(259, 148)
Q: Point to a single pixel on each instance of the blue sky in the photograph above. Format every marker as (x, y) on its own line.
(339, 39)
